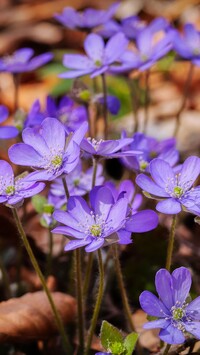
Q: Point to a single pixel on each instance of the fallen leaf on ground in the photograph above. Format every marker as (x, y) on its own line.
(30, 317)
(147, 338)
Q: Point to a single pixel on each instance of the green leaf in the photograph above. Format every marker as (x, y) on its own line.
(38, 202)
(130, 342)
(111, 338)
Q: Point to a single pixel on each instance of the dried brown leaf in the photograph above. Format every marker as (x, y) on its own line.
(30, 316)
(148, 338)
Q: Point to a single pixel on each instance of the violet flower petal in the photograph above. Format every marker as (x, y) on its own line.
(163, 283)
(24, 154)
(181, 279)
(172, 335)
(7, 132)
(94, 47)
(169, 206)
(152, 305)
(148, 185)
(3, 113)
(161, 172)
(190, 171)
(142, 221)
(94, 245)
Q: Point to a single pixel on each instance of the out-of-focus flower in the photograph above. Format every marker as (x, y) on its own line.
(175, 316)
(46, 149)
(150, 149)
(14, 190)
(6, 132)
(87, 19)
(21, 61)
(112, 102)
(188, 44)
(66, 111)
(99, 56)
(175, 190)
(130, 26)
(148, 48)
(95, 226)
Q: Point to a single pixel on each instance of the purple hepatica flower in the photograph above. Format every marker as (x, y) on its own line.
(46, 148)
(67, 112)
(107, 148)
(14, 190)
(128, 189)
(188, 45)
(79, 183)
(94, 226)
(6, 132)
(130, 26)
(151, 148)
(175, 190)
(35, 115)
(175, 315)
(21, 61)
(147, 50)
(113, 103)
(99, 56)
(87, 19)
(136, 222)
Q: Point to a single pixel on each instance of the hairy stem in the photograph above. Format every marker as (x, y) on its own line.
(49, 256)
(65, 188)
(97, 305)
(122, 287)
(132, 83)
(105, 110)
(168, 346)
(58, 320)
(171, 243)
(88, 274)
(146, 100)
(79, 298)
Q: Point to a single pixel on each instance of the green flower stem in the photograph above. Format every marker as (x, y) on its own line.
(95, 164)
(88, 274)
(105, 110)
(58, 320)
(168, 346)
(78, 280)
(184, 98)
(79, 298)
(49, 256)
(146, 100)
(91, 255)
(132, 84)
(65, 188)
(122, 288)
(171, 243)
(97, 305)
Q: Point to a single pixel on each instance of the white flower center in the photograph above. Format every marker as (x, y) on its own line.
(95, 143)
